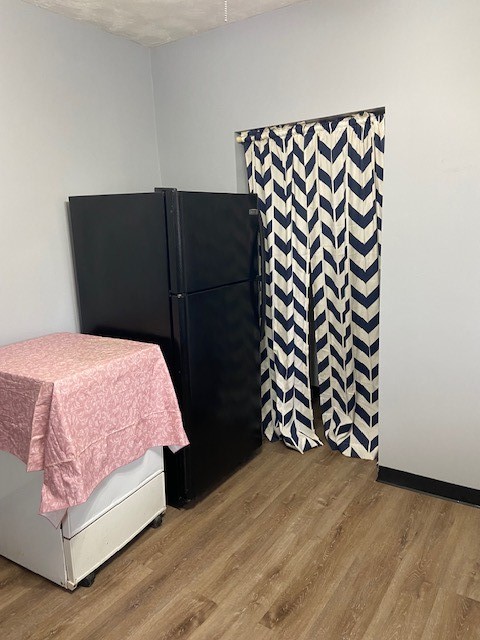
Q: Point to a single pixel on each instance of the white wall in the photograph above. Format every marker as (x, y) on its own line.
(421, 60)
(76, 117)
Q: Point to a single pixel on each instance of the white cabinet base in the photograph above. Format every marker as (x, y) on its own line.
(31, 540)
(89, 548)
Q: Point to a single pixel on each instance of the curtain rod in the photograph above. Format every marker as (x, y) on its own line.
(376, 110)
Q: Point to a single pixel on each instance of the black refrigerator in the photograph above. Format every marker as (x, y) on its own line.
(180, 269)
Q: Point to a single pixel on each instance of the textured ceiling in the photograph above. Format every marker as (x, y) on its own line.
(153, 22)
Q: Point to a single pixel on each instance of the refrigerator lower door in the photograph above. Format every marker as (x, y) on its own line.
(217, 333)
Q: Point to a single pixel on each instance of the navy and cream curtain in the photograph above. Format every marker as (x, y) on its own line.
(319, 187)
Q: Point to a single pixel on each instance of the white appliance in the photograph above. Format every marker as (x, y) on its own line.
(119, 508)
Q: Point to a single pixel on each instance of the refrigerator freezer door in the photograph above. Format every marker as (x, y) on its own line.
(221, 402)
(212, 239)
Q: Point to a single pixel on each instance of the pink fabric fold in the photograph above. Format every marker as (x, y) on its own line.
(79, 406)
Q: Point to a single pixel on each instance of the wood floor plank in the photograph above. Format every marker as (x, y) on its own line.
(280, 553)
(398, 589)
(325, 594)
(289, 548)
(15, 583)
(66, 615)
(453, 617)
(232, 625)
(404, 610)
(174, 563)
(179, 619)
(277, 533)
(292, 519)
(463, 573)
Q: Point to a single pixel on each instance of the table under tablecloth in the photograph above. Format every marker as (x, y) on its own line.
(79, 406)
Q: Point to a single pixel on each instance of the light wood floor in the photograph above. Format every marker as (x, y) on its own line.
(291, 547)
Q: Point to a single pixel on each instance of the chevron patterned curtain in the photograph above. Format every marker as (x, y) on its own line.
(319, 187)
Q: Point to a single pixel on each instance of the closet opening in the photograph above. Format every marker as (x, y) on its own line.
(319, 185)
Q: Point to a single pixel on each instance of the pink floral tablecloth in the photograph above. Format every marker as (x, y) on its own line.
(79, 406)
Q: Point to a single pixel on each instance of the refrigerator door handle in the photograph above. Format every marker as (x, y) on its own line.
(254, 298)
(262, 286)
(258, 279)
(255, 292)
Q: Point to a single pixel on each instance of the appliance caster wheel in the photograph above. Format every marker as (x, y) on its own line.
(157, 521)
(88, 580)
